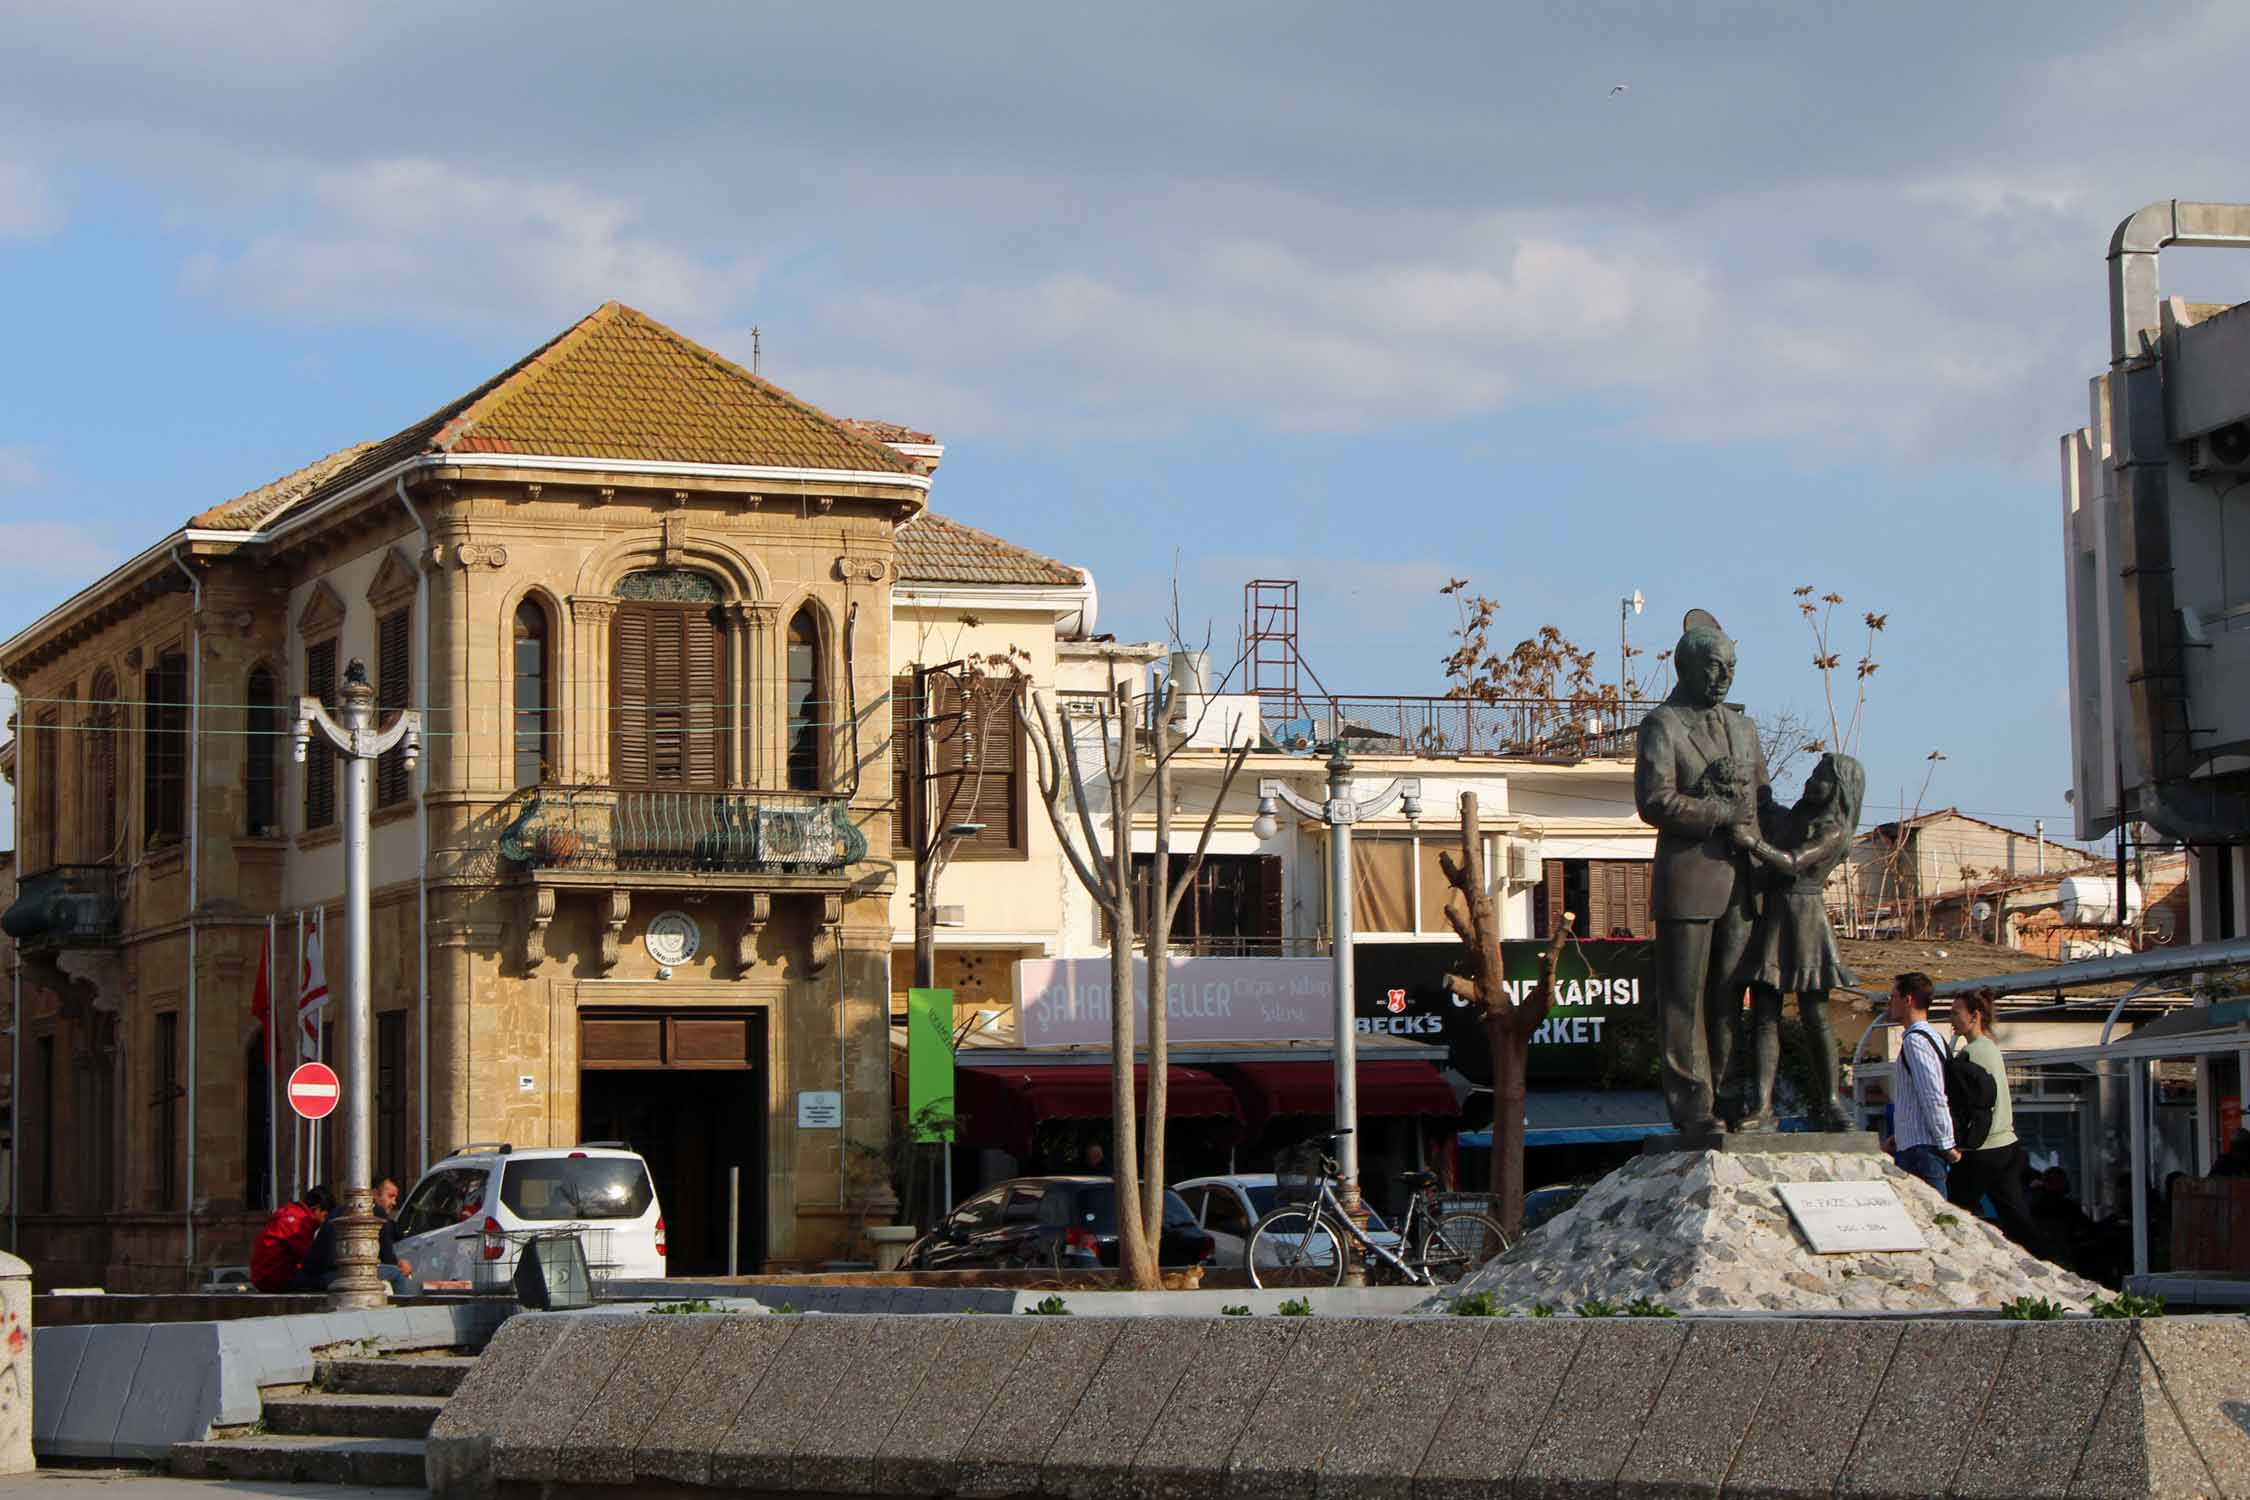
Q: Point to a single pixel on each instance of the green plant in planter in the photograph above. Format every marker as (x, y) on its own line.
(1235, 1310)
(1048, 1307)
(1295, 1307)
(1647, 1307)
(1477, 1305)
(2033, 1310)
(2127, 1305)
(1595, 1307)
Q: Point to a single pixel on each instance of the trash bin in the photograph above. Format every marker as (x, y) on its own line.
(890, 1243)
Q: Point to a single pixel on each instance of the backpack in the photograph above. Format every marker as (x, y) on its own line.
(1970, 1095)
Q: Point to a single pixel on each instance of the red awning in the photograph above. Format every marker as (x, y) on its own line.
(1002, 1106)
(1386, 1087)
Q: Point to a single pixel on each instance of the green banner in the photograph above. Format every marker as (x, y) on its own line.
(929, 1064)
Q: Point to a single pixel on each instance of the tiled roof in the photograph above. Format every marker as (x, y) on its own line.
(885, 432)
(619, 384)
(937, 549)
(245, 512)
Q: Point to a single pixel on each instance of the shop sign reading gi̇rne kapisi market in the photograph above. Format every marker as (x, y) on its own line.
(1065, 1002)
(1602, 1023)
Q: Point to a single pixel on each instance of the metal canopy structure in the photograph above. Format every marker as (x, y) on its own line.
(2191, 1032)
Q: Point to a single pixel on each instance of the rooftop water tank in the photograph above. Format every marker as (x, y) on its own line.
(2090, 900)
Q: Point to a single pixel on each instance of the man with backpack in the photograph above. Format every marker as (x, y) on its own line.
(1921, 1134)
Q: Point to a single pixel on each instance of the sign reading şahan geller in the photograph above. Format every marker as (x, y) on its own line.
(1065, 1002)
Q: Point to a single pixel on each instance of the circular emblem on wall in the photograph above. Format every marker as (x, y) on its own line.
(673, 938)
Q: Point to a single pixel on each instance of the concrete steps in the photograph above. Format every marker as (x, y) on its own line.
(325, 1415)
(364, 1423)
(273, 1457)
(438, 1375)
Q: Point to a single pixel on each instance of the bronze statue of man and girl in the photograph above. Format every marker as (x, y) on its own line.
(1737, 894)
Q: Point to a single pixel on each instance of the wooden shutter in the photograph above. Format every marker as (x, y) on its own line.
(394, 690)
(1552, 896)
(905, 768)
(320, 756)
(1273, 914)
(1000, 798)
(703, 672)
(668, 672)
(629, 689)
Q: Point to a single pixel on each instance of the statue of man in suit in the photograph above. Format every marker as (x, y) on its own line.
(1697, 782)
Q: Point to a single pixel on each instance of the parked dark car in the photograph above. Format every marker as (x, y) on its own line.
(1542, 1204)
(1067, 1223)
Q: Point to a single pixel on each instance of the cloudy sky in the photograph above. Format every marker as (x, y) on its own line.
(1707, 301)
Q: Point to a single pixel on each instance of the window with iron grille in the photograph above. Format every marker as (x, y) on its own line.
(261, 755)
(45, 838)
(320, 756)
(997, 799)
(167, 1106)
(164, 750)
(807, 715)
(394, 690)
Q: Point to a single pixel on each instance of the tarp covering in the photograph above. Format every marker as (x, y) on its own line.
(1386, 1087)
(1578, 1117)
(1003, 1106)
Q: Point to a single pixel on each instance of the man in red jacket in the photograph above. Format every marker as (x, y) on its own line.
(282, 1245)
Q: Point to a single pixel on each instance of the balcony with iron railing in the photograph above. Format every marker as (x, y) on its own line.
(1402, 724)
(66, 906)
(600, 830)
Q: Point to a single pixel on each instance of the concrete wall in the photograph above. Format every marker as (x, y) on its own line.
(1429, 1408)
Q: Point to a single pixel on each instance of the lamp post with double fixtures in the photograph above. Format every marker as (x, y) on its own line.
(1339, 813)
(360, 744)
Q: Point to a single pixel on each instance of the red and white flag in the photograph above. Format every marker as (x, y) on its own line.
(312, 993)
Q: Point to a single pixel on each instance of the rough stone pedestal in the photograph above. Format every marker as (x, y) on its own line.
(1708, 1231)
(15, 1368)
(1768, 1143)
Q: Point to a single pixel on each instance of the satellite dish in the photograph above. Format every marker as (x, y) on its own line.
(1984, 911)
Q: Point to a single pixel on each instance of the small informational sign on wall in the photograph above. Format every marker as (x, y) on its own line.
(1851, 1218)
(820, 1109)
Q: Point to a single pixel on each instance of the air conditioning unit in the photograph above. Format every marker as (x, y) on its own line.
(1524, 862)
(2223, 450)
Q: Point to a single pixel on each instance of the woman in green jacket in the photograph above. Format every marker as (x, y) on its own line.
(1995, 1169)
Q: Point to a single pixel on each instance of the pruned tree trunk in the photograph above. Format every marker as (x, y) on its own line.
(1508, 1024)
(1136, 1253)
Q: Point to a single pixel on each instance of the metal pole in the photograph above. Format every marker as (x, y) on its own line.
(2206, 1122)
(925, 845)
(1340, 816)
(357, 1284)
(2137, 1139)
(734, 1219)
(273, 1062)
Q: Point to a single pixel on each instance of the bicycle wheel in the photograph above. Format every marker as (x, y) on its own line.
(1459, 1243)
(1294, 1247)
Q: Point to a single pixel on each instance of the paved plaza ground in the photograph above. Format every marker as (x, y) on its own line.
(136, 1484)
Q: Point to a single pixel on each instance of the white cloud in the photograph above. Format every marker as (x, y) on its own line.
(18, 469)
(431, 243)
(29, 206)
(55, 550)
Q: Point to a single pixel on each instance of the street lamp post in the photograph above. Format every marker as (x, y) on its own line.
(1339, 813)
(359, 743)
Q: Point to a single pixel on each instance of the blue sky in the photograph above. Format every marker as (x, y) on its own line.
(1220, 292)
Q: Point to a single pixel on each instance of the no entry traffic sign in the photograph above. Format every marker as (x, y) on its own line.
(313, 1090)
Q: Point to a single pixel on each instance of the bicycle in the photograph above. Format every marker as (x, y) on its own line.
(1301, 1243)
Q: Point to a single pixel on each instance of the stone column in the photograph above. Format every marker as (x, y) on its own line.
(15, 1375)
(585, 689)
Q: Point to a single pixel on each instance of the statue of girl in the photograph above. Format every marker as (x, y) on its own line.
(1794, 949)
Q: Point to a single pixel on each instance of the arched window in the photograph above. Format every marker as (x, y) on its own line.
(260, 794)
(535, 718)
(806, 711)
(103, 746)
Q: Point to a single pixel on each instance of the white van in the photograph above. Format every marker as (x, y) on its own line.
(469, 1216)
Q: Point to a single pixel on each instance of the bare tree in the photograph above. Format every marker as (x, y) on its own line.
(1509, 1024)
(1107, 875)
(1783, 736)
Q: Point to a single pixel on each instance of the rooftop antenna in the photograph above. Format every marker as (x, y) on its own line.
(756, 353)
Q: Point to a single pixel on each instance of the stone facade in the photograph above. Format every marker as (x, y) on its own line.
(141, 1168)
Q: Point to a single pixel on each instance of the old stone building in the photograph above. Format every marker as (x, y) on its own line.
(636, 886)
